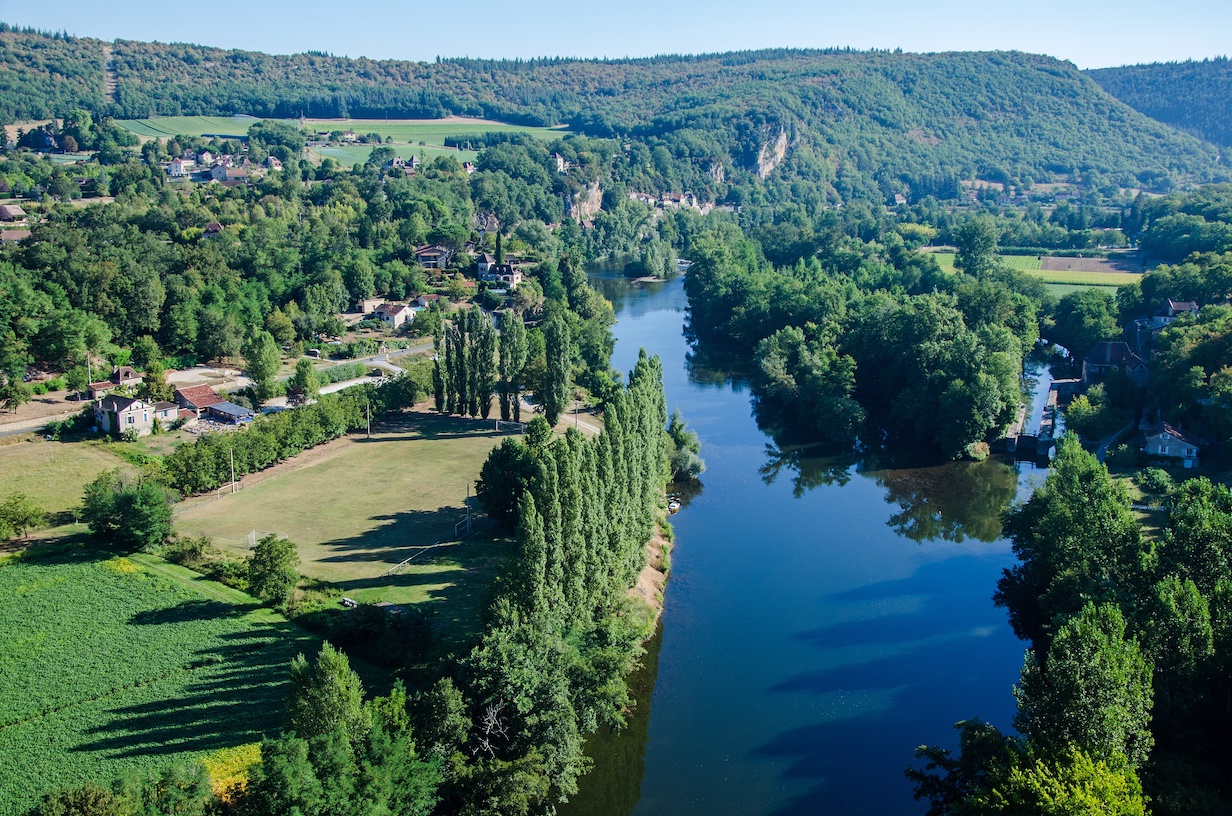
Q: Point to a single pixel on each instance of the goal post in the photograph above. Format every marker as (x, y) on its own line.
(510, 425)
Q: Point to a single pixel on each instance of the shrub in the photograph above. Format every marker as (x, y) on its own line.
(1155, 481)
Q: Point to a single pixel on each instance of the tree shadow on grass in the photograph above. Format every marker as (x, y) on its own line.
(189, 611)
(236, 693)
(434, 426)
(398, 536)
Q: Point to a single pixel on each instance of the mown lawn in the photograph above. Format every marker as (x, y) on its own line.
(362, 506)
(53, 474)
(1031, 265)
(356, 154)
(164, 126)
(114, 665)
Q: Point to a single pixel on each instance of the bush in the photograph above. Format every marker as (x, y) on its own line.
(134, 516)
(1124, 456)
(1155, 481)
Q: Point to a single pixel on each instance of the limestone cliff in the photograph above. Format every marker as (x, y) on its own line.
(772, 154)
(585, 203)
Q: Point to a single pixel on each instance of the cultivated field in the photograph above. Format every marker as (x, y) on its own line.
(1069, 272)
(356, 507)
(114, 665)
(53, 474)
(163, 126)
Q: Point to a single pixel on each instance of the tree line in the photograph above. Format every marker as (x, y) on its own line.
(1124, 692)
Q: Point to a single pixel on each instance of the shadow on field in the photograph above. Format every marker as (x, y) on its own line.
(189, 611)
(236, 695)
(432, 426)
(399, 536)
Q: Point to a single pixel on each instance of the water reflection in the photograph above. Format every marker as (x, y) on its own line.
(953, 501)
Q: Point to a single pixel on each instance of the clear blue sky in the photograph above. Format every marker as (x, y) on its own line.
(1090, 33)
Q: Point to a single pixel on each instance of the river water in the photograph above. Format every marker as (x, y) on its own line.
(823, 618)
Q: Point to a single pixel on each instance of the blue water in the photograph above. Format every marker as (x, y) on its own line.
(822, 619)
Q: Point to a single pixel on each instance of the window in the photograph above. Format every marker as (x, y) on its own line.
(1191, 451)
(131, 419)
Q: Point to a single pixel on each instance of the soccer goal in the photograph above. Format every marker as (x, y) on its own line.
(510, 425)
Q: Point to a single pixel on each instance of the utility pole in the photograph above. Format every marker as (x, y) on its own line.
(468, 508)
(232, 468)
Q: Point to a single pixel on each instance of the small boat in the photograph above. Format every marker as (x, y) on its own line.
(673, 506)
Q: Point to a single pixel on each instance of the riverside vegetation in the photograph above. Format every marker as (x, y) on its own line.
(840, 312)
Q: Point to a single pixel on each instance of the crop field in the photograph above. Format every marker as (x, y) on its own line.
(1069, 272)
(163, 126)
(356, 507)
(115, 665)
(1060, 290)
(53, 474)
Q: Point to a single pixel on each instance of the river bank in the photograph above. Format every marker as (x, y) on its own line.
(824, 616)
(652, 580)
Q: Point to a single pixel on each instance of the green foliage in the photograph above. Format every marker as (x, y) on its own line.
(261, 355)
(326, 695)
(206, 464)
(558, 381)
(1092, 691)
(272, 573)
(1075, 784)
(684, 460)
(305, 385)
(507, 474)
(1190, 95)
(132, 516)
(18, 515)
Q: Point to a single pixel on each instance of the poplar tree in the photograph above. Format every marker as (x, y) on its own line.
(532, 552)
(558, 381)
(512, 359)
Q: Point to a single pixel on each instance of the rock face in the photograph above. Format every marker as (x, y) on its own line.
(717, 171)
(584, 204)
(772, 154)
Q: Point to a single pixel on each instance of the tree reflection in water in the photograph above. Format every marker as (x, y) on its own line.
(953, 501)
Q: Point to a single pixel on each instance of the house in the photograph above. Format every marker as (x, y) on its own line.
(11, 212)
(1175, 308)
(13, 236)
(899, 199)
(432, 256)
(394, 315)
(424, 301)
(484, 263)
(273, 163)
(178, 168)
(213, 229)
(1114, 355)
(116, 415)
(221, 172)
(503, 273)
(206, 158)
(368, 305)
(229, 412)
(349, 136)
(197, 398)
(124, 376)
(562, 164)
(468, 168)
(1164, 440)
(395, 163)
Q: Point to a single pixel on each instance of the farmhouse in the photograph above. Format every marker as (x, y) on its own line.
(221, 172)
(349, 136)
(13, 236)
(432, 256)
(178, 168)
(123, 376)
(273, 163)
(369, 305)
(1114, 355)
(468, 168)
(213, 229)
(394, 315)
(1164, 440)
(115, 415)
(197, 398)
(11, 212)
(427, 300)
(484, 263)
(502, 273)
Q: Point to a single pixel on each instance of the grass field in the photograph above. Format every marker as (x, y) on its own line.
(115, 665)
(407, 131)
(1060, 290)
(164, 126)
(53, 474)
(1031, 264)
(354, 154)
(357, 507)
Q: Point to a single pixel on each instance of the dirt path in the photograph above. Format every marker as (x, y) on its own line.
(109, 76)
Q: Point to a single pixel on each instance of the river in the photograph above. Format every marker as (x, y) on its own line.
(823, 618)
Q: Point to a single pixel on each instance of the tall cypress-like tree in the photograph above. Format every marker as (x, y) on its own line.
(559, 355)
(513, 352)
(533, 554)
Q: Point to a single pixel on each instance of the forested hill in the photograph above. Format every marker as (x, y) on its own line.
(867, 123)
(1193, 96)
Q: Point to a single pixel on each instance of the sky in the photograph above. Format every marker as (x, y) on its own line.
(1089, 33)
